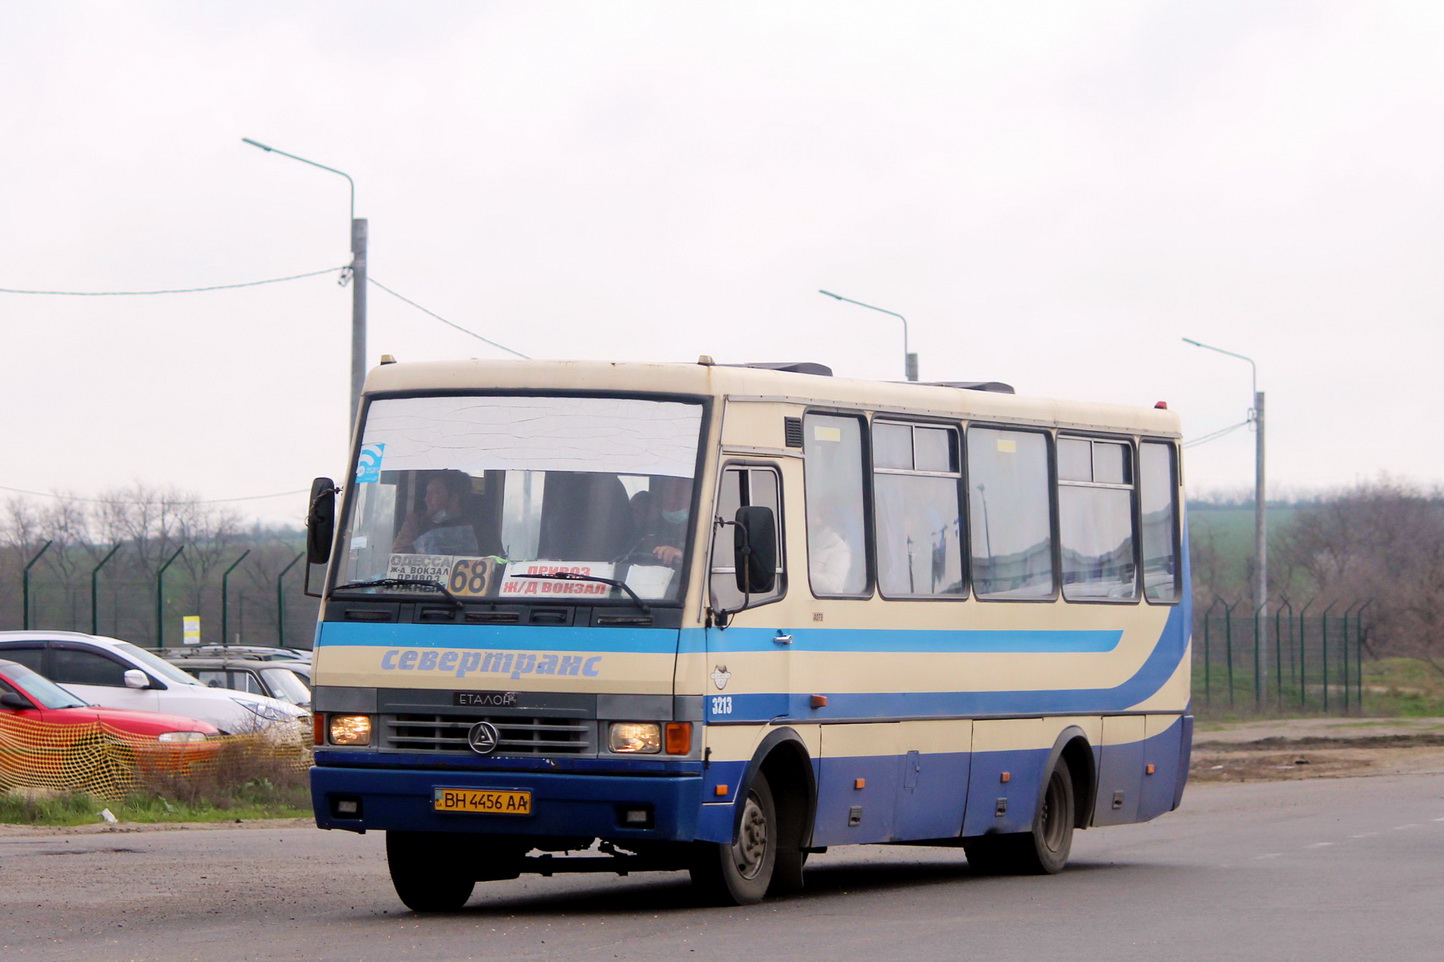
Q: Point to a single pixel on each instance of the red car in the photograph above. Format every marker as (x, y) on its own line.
(37, 718)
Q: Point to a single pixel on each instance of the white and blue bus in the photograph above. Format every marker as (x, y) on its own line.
(585, 616)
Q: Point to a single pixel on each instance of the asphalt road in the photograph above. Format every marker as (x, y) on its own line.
(1317, 870)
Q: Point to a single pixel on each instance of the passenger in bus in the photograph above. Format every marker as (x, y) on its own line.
(441, 528)
(829, 560)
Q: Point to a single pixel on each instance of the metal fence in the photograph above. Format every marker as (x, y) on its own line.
(260, 604)
(1309, 658)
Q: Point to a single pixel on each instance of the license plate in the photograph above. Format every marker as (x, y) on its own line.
(487, 802)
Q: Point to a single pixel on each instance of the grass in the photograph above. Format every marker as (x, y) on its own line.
(1393, 688)
(248, 779)
(1403, 688)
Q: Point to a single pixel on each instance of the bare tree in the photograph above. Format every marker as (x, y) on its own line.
(1379, 542)
(209, 534)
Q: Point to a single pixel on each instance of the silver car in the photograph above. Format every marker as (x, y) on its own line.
(117, 674)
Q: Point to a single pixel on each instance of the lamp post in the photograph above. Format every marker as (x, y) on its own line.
(1260, 510)
(358, 279)
(910, 361)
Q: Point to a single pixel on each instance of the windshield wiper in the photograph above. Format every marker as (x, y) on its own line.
(431, 583)
(572, 576)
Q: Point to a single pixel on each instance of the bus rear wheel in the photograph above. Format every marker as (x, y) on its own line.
(739, 873)
(1045, 848)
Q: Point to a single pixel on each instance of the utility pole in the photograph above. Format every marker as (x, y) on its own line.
(358, 312)
(358, 282)
(1260, 520)
(1260, 516)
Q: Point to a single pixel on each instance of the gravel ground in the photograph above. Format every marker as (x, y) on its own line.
(1282, 749)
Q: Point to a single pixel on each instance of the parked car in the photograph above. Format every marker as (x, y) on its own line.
(287, 681)
(160, 740)
(118, 674)
(257, 652)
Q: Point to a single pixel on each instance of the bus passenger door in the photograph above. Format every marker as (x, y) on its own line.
(750, 658)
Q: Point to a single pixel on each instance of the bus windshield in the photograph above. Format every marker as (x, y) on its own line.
(549, 498)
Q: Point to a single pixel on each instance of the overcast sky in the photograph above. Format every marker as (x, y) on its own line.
(1054, 194)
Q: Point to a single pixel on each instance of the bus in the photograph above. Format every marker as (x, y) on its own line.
(588, 616)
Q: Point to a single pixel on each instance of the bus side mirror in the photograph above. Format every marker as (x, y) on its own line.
(754, 546)
(320, 521)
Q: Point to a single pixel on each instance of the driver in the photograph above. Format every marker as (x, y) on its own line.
(663, 525)
(441, 528)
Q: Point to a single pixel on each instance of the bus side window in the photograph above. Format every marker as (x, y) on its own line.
(1095, 519)
(918, 512)
(743, 487)
(1158, 492)
(832, 479)
(1009, 514)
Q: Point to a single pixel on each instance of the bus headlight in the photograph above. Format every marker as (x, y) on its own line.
(349, 729)
(639, 737)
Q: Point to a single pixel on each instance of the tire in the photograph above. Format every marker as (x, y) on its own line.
(787, 870)
(989, 854)
(739, 872)
(1045, 848)
(426, 871)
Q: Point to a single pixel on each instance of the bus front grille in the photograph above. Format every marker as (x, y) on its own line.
(517, 735)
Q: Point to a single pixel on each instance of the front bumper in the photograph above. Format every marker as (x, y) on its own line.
(563, 804)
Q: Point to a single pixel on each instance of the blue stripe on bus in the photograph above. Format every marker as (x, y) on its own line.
(695, 640)
(658, 641)
(904, 641)
(1155, 671)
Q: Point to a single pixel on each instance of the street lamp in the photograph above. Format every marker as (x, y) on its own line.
(358, 279)
(910, 361)
(1260, 516)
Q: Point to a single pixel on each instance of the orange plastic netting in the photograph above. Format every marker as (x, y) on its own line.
(109, 763)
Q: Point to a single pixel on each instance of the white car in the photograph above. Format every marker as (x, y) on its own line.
(117, 674)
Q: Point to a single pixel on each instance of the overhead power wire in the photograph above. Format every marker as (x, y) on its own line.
(1215, 435)
(181, 290)
(444, 320)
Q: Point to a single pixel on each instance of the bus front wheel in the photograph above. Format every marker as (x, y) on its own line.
(740, 872)
(436, 872)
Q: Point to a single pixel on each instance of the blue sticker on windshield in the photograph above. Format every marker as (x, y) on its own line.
(368, 466)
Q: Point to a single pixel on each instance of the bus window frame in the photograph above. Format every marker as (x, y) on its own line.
(961, 478)
(865, 465)
(709, 405)
(782, 572)
(1050, 443)
(1175, 495)
(1135, 520)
